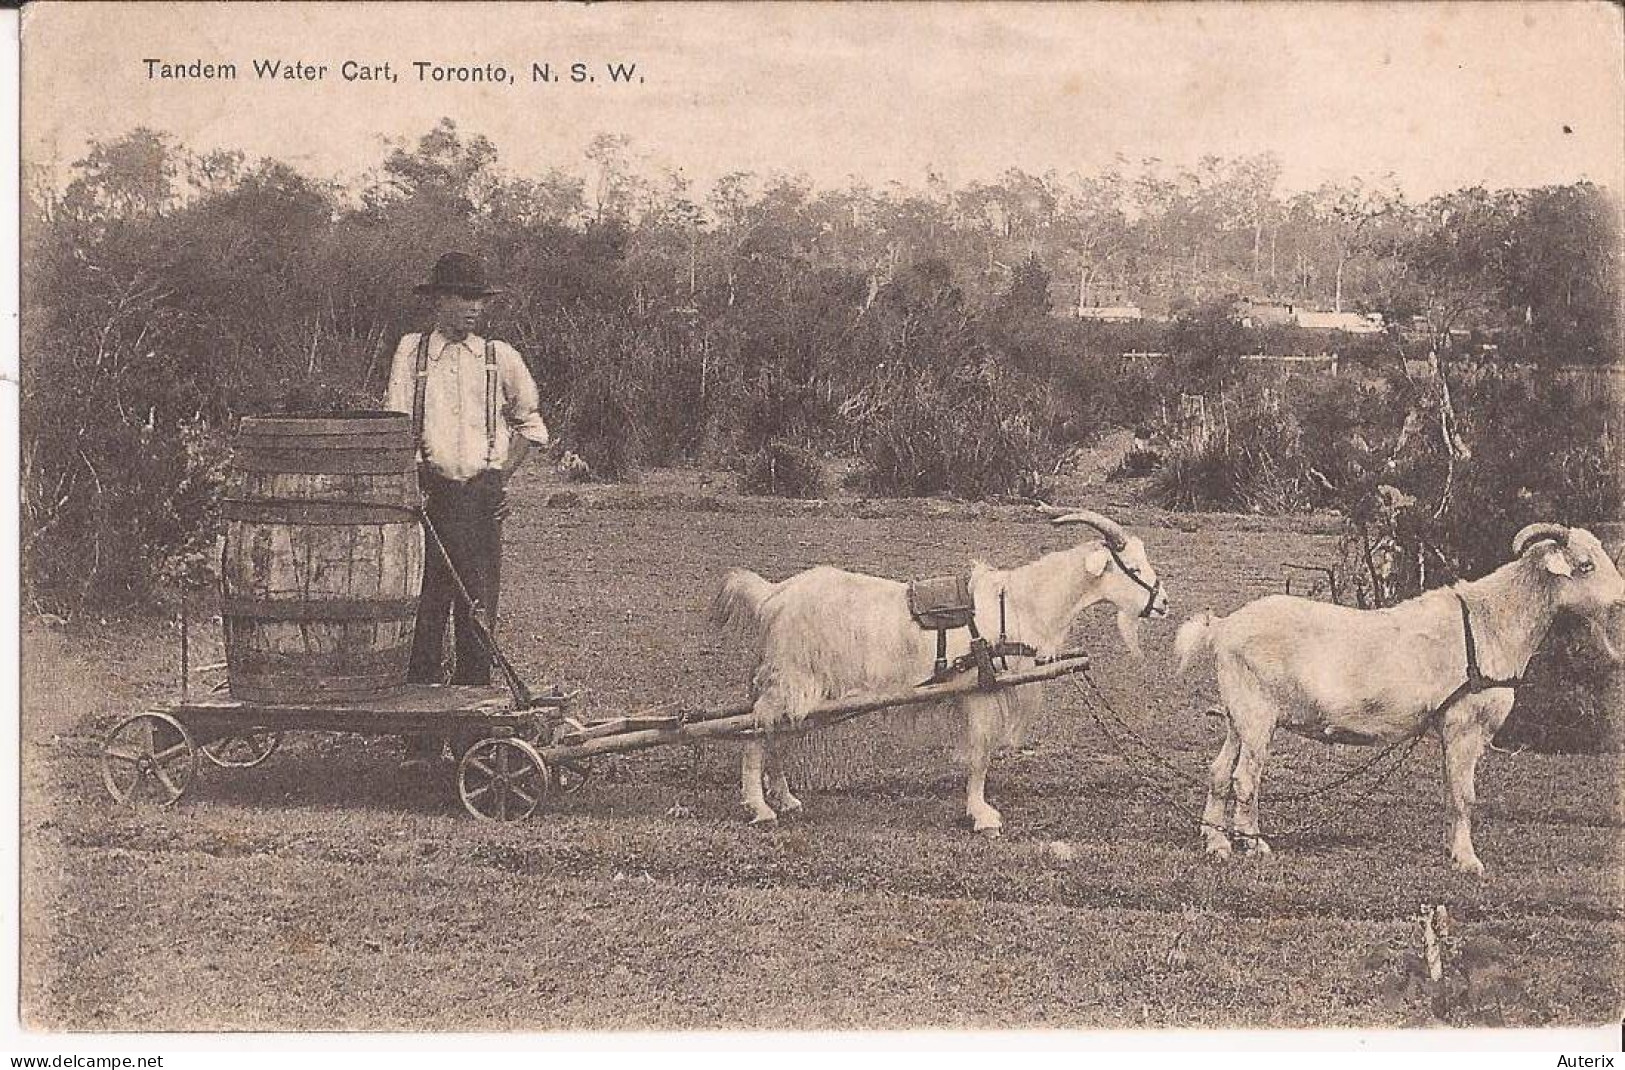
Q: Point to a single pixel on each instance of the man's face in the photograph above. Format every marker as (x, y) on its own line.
(457, 315)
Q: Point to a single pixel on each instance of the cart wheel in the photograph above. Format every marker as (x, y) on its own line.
(148, 758)
(242, 752)
(502, 779)
(572, 776)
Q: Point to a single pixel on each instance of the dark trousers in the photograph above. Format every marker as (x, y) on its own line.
(467, 519)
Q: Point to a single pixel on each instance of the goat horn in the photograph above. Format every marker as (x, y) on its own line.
(1116, 537)
(1537, 532)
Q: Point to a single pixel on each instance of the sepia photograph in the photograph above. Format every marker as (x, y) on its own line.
(1002, 519)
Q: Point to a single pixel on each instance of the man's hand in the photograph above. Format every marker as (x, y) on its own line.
(518, 448)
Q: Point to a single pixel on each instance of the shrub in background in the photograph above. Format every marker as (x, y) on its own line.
(1250, 458)
(1534, 454)
(1539, 455)
(603, 426)
(963, 432)
(784, 469)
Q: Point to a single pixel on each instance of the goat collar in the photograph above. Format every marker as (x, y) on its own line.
(1476, 680)
(1151, 589)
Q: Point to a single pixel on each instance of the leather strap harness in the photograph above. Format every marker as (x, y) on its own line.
(945, 602)
(1151, 589)
(1476, 680)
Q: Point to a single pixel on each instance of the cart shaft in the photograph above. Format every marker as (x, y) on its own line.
(739, 720)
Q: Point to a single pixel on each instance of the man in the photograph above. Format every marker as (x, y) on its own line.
(474, 406)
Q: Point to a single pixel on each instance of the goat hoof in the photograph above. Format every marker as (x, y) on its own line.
(1218, 852)
(992, 832)
(766, 824)
(1252, 845)
(789, 814)
(1471, 866)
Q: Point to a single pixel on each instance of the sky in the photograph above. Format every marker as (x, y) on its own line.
(1440, 96)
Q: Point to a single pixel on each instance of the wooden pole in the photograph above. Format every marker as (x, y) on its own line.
(738, 719)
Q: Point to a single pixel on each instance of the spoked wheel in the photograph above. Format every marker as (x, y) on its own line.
(502, 779)
(148, 758)
(242, 752)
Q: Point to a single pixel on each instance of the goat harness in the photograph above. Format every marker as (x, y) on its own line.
(1151, 589)
(1476, 680)
(941, 603)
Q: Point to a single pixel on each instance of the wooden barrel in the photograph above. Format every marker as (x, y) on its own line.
(323, 559)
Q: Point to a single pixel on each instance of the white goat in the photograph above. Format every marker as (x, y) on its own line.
(1374, 676)
(825, 634)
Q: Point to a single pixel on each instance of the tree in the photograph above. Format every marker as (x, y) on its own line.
(129, 178)
(1252, 197)
(1561, 273)
(616, 188)
(1347, 213)
(1456, 257)
(1028, 295)
(444, 168)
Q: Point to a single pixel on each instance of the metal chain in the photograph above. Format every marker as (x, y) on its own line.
(1151, 754)
(1352, 774)
(1296, 796)
(1156, 790)
(1145, 745)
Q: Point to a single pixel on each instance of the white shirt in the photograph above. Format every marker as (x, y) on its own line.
(456, 427)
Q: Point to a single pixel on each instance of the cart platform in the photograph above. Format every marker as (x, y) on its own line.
(153, 755)
(406, 709)
(511, 754)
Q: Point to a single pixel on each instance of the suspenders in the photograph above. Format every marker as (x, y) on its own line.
(420, 383)
(493, 396)
(491, 399)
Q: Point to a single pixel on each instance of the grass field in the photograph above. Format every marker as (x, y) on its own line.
(325, 890)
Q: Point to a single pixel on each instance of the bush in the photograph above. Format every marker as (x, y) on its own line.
(1539, 455)
(784, 469)
(1275, 442)
(1252, 458)
(963, 432)
(603, 425)
(1572, 697)
(1534, 454)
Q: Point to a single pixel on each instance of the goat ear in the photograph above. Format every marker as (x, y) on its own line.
(1557, 562)
(1097, 560)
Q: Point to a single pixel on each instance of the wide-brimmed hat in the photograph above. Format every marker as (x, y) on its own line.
(460, 274)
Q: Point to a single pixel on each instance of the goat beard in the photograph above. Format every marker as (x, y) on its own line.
(1128, 626)
(1600, 631)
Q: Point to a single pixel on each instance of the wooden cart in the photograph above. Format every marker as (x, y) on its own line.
(514, 749)
(320, 566)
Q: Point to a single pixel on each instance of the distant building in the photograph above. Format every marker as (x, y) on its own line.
(1351, 322)
(1260, 313)
(1111, 313)
(1255, 313)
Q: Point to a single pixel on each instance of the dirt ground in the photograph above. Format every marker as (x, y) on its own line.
(327, 890)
